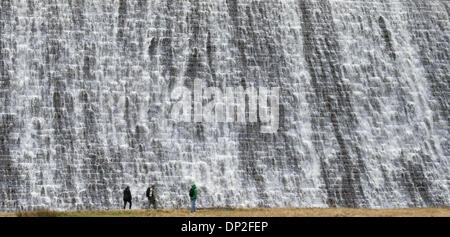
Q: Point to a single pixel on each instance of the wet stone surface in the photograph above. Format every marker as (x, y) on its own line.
(85, 101)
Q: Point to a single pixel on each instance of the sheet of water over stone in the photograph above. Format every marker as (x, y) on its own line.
(85, 100)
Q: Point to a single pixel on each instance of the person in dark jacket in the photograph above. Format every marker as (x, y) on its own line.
(126, 197)
(193, 196)
(151, 196)
(147, 194)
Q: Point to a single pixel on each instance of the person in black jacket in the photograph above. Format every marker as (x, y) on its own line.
(148, 195)
(126, 197)
(151, 196)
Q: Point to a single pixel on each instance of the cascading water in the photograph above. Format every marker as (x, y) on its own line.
(85, 91)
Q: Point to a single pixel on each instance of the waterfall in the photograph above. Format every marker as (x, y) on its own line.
(86, 99)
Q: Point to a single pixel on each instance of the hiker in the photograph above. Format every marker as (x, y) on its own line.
(126, 197)
(193, 196)
(147, 194)
(151, 196)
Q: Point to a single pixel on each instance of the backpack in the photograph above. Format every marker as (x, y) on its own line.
(191, 192)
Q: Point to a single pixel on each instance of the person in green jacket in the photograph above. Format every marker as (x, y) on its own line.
(193, 196)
